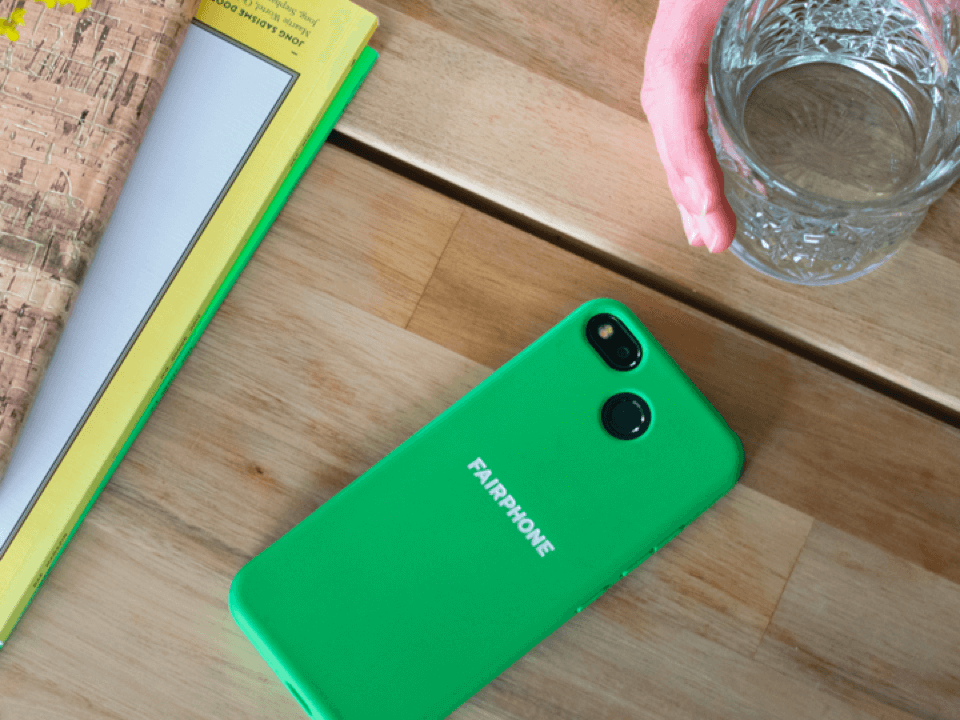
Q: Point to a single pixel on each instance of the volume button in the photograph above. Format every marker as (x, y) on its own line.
(638, 563)
(591, 600)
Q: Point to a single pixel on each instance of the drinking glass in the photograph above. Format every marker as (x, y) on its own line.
(836, 123)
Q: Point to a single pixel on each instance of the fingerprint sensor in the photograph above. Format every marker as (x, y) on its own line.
(625, 416)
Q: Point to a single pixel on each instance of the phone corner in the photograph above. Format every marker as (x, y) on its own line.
(237, 597)
(738, 458)
(602, 304)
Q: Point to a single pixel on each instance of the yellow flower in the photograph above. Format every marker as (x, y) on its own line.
(8, 26)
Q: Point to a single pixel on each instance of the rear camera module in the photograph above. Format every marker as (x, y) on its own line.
(613, 342)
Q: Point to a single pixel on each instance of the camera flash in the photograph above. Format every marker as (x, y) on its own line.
(605, 331)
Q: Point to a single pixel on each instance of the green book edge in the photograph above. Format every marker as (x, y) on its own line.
(348, 89)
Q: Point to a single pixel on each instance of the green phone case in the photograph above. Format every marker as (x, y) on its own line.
(425, 578)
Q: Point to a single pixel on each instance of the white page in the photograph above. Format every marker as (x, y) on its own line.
(217, 101)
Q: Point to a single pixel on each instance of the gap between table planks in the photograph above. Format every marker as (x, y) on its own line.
(536, 110)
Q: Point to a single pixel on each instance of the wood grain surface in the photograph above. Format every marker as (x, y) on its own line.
(825, 585)
(535, 108)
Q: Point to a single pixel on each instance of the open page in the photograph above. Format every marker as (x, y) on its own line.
(217, 102)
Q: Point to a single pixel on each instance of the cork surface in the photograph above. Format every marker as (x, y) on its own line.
(77, 88)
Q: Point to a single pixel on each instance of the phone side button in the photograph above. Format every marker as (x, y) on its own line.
(639, 562)
(591, 600)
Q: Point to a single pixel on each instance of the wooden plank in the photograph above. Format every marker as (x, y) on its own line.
(864, 624)
(590, 46)
(471, 95)
(132, 623)
(378, 235)
(298, 395)
(721, 578)
(593, 669)
(814, 441)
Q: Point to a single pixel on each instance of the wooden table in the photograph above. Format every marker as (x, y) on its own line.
(496, 170)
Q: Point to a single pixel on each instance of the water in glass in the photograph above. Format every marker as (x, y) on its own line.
(836, 123)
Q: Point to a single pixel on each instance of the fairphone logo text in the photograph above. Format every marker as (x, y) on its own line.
(500, 495)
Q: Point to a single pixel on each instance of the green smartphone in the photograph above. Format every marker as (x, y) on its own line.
(433, 572)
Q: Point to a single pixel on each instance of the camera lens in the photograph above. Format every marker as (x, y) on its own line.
(613, 342)
(625, 416)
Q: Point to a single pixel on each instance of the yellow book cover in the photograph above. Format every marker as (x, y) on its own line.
(251, 83)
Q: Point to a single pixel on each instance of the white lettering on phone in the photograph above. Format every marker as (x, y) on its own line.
(499, 493)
